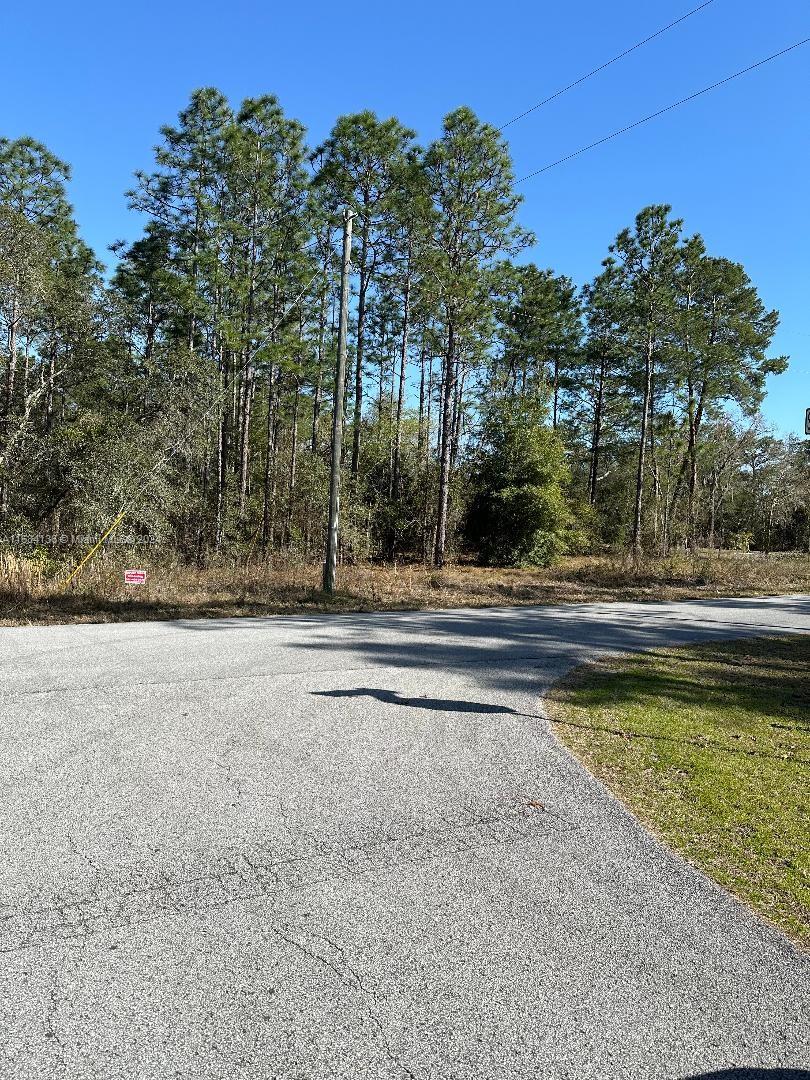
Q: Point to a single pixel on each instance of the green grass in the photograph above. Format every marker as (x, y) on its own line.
(710, 746)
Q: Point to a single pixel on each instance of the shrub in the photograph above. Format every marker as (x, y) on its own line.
(519, 515)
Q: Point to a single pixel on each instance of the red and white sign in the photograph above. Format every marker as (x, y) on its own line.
(134, 577)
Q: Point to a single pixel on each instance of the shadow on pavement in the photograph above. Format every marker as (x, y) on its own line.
(390, 697)
(780, 673)
(523, 649)
(752, 1074)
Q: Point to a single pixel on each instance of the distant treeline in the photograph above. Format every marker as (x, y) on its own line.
(493, 407)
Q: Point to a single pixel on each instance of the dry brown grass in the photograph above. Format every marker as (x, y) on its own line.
(31, 593)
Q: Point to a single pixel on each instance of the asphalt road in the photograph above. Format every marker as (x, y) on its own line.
(305, 848)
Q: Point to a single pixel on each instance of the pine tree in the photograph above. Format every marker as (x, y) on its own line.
(363, 165)
(471, 186)
(519, 514)
(647, 257)
(723, 334)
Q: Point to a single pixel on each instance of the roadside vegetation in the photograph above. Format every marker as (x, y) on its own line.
(31, 590)
(709, 746)
(497, 412)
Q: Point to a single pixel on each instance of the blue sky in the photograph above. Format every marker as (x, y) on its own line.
(94, 81)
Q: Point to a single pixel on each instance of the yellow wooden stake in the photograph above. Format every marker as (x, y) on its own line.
(95, 547)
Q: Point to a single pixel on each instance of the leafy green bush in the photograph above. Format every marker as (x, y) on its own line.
(519, 514)
(740, 541)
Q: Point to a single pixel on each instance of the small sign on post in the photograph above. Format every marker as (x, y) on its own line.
(807, 422)
(134, 577)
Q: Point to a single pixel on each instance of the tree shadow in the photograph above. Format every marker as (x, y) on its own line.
(390, 697)
(682, 740)
(766, 679)
(752, 1074)
(507, 650)
(523, 650)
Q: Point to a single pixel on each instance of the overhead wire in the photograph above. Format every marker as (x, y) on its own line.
(219, 400)
(607, 64)
(666, 109)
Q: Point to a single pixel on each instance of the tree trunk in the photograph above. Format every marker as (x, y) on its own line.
(596, 430)
(448, 396)
(642, 443)
(318, 386)
(427, 544)
(712, 511)
(269, 456)
(403, 360)
(244, 457)
(293, 463)
(222, 453)
(11, 362)
(457, 415)
(50, 380)
(655, 472)
(358, 374)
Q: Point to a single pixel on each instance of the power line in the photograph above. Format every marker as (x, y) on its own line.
(596, 70)
(666, 109)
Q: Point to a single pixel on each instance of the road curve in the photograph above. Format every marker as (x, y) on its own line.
(350, 847)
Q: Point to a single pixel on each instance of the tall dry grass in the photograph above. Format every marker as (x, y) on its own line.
(32, 589)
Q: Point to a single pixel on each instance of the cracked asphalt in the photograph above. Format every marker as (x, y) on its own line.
(350, 847)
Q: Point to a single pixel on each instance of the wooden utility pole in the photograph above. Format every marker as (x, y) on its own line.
(330, 562)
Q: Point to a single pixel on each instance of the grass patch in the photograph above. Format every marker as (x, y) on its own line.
(31, 592)
(710, 746)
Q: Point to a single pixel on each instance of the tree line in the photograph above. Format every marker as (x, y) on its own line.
(493, 407)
